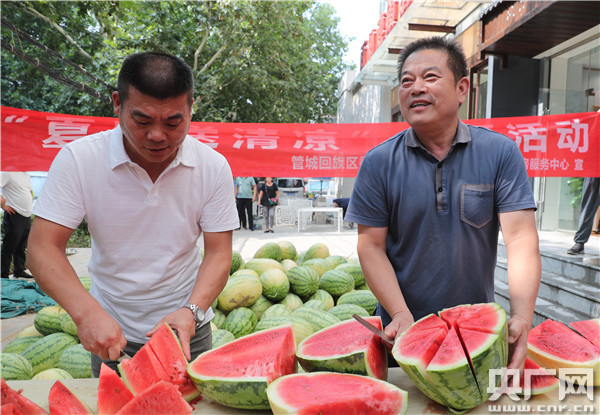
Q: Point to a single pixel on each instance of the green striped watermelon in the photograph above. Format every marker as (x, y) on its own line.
(336, 282)
(47, 320)
(355, 270)
(345, 347)
(269, 250)
(219, 318)
(77, 361)
(260, 265)
(45, 353)
(277, 310)
(29, 331)
(318, 264)
(275, 284)
(237, 373)
(335, 393)
(304, 281)
(302, 329)
(288, 250)
(259, 306)
(365, 299)
(292, 301)
(20, 344)
(240, 322)
(288, 264)
(53, 373)
(240, 291)
(67, 325)
(245, 271)
(318, 304)
(13, 366)
(323, 296)
(346, 311)
(317, 250)
(220, 337)
(237, 262)
(319, 319)
(335, 260)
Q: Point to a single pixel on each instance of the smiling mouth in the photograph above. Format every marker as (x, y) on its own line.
(420, 104)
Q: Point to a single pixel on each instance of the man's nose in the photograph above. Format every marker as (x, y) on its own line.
(419, 86)
(156, 134)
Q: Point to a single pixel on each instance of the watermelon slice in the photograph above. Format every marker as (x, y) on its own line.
(335, 393)
(537, 384)
(450, 362)
(236, 374)
(167, 348)
(113, 394)
(142, 370)
(61, 401)
(21, 404)
(160, 398)
(553, 345)
(590, 329)
(345, 347)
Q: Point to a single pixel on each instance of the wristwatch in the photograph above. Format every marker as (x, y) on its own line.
(198, 313)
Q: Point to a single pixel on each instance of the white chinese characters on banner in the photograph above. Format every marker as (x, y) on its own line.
(206, 135)
(573, 136)
(318, 140)
(62, 131)
(532, 136)
(259, 137)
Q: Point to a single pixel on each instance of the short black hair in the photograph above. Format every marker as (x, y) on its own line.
(156, 74)
(456, 57)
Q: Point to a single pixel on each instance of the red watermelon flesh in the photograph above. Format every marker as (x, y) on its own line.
(466, 312)
(335, 393)
(486, 321)
(167, 348)
(538, 384)
(9, 409)
(142, 370)
(160, 398)
(554, 338)
(21, 404)
(113, 394)
(334, 347)
(590, 329)
(62, 401)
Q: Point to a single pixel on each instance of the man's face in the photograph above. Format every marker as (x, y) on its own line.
(153, 129)
(429, 94)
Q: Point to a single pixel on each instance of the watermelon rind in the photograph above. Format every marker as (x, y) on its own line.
(77, 361)
(336, 282)
(359, 361)
(20, 344)
(54, 373)
(358, 398)
(319, 319)
(47, 319)
(45, 353)
(538, 384)
(364, 298)
(13, 366)
(240, 322)
(488, 356)
(323, 296)
(269, 250)
(346, 311)
(246, 390)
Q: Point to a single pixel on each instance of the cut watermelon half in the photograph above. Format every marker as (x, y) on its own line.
(335, 393)
(61, 401)
(553, 345)
(537, 384)
(113, 394)
(236, 374)
(590, 329)
(20, 404)
(345, 347)
(160, 398)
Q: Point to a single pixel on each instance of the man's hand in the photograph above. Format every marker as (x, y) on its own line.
(100, 334)
(518, 328)
(8, 209)
(183, 322)
(400, 322)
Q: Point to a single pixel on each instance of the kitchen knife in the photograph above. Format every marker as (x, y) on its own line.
(374, 329)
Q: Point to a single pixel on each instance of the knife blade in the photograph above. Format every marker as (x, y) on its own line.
(123, 356)
(374, 329)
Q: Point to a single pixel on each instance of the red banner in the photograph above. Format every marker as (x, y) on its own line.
(565, 145)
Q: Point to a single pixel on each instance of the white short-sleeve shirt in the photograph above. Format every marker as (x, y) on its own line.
(145, 256)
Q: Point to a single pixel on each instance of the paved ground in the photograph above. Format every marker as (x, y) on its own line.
(343, 243)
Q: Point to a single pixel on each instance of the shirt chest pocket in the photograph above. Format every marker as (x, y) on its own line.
(476, 204)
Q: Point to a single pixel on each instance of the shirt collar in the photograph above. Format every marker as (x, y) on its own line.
(463, 135)
(118, 155)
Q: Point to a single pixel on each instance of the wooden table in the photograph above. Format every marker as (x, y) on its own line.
(338, 212)
(87, 391)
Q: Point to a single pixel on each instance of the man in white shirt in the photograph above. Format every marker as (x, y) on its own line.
(148, 191)
(16, 201)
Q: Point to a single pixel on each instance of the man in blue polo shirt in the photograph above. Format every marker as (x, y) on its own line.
(429, 203)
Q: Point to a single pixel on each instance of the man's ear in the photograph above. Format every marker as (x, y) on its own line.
(116, 103)
(462, 88)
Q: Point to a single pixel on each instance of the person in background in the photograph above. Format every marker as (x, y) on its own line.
(429, 203)
(343, 202)
(590, 199)
(133, 186)
(17, 202)
(245, 195)
(269, 198)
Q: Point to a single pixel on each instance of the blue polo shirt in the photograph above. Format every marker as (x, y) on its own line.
(442, 216)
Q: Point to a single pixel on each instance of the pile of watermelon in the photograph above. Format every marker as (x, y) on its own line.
(278, 286)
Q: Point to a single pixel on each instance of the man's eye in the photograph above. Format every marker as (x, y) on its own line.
(141, 122)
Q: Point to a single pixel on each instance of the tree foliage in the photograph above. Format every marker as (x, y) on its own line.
(253, 61)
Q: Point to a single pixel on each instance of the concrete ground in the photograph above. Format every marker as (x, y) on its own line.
(343, 243)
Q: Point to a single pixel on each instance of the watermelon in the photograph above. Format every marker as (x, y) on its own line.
(244, 271)
(335, 393)
(318, 304)
(323, 296)
(345, 347)
(304, 281)
(13, 366)
(288, 250)
(220, 337)
(237, 373)
(301, 328)
(240, 322)
(288, 264)
(335, 260)
(259, 306)
(275, 284)
(449, 358)
(113, 394)
(240, 291)
(237, 262)
(45, 353)
(67, 325)
(553, 345)
(277, 310)
(355, 270)
(260, 265)
(54, 373)
(141, 371)
(538, 383)
(336, 282)
(219, 318)
(346, 311)
(29, 331)
(364, 298)
(292, 301)
(318, 264)
(270, 250)
(61, 401)
(318, 250)
(20, 403)
(47, 320)
(77, 361)
(319, 319)
(160, 398)
(20, 344)
(590, 329)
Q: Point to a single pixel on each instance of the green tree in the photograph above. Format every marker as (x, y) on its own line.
(253, 61)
